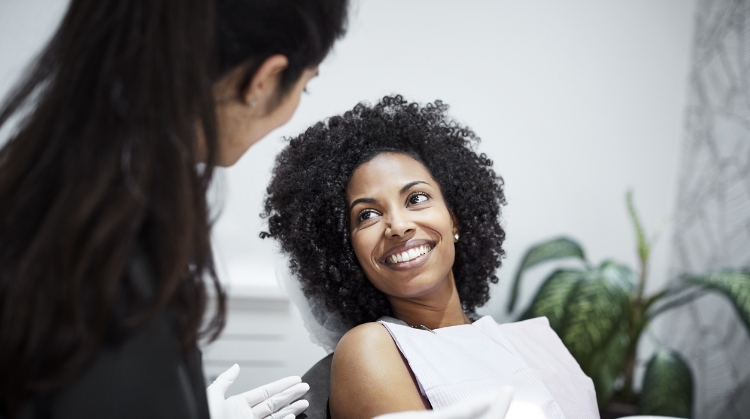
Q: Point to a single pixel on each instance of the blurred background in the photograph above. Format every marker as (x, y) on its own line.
(576, 102)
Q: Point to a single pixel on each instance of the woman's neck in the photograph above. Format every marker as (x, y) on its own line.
(440, 308)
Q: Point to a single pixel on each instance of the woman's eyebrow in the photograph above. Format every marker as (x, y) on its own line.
(410, 184)
(358, 200)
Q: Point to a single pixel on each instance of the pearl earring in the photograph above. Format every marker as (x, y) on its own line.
(251, 102)
(455, 236)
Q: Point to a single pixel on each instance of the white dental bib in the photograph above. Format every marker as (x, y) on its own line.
(459, 362)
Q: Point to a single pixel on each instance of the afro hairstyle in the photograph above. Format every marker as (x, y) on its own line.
(307, 210)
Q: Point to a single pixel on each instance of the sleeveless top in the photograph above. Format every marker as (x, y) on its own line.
(454, 363)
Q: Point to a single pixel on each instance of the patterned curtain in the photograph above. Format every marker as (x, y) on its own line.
(712, 215)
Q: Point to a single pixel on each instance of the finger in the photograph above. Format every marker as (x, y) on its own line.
(292, 410)
(289, 417)
(225, 379)
(274, 403)
(500, 406)
(261, 393)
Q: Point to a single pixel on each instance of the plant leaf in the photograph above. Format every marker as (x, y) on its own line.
(587, 310)
(667, 386)
(733, 284)
(605, 365)
(643, 246)
(596, 310)
(594, 324)
(618, 276)
(553, 295)
(558, 248)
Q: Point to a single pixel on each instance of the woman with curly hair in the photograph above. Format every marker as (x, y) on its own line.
(391, 223)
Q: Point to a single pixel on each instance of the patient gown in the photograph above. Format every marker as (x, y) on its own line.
(459, 362)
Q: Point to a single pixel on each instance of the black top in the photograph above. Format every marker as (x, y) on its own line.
(144, 376)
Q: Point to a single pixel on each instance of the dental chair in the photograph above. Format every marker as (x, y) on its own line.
(319, 378)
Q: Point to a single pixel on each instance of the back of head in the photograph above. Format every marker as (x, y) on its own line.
(110, 124)
(302, 30)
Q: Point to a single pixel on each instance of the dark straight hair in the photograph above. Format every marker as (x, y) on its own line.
(103, 163)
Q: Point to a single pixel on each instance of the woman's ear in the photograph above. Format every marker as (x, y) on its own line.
(262, 88)
(454, 226)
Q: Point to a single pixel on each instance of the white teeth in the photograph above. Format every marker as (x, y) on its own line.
(410, 254)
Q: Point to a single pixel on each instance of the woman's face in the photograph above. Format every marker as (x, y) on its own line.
(401, 228)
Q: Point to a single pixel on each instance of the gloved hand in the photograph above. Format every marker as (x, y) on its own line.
(268, 401)
(484, 407)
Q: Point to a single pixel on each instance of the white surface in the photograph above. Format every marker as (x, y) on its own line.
(266, 338)
(456, 363)
(576, 102)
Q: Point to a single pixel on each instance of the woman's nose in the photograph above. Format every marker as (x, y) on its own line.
(398, 224)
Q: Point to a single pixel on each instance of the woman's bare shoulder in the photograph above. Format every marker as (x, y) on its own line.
(366, 352)
(361, 339)
(369, 376)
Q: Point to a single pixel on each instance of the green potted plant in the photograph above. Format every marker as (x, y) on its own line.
(600, 313)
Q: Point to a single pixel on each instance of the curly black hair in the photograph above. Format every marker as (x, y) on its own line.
(307, 209)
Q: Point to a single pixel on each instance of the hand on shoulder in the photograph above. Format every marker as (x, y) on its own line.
(369, 377)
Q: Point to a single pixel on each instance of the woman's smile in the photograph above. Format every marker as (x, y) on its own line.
(408, 255)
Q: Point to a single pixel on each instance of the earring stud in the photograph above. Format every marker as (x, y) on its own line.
(455, 236)
(251, 102)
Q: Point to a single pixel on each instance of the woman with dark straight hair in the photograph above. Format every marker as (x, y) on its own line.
(104, 226)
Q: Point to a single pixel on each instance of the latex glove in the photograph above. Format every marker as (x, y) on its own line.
(268, 401)
(484, 407)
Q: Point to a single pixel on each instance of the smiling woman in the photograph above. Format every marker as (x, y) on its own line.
(391, 218)
(313, 212)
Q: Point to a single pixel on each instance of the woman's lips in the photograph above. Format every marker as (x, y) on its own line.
(408, 255)
(414, 263)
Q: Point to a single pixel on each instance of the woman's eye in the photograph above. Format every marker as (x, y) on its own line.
(418, 198)
(366, 215)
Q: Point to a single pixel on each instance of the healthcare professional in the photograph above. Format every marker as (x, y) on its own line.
(115, 131)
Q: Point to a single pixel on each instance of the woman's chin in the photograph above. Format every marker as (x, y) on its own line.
(419, 287)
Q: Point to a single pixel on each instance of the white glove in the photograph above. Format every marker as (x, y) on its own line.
(484, 407)
(268, 401)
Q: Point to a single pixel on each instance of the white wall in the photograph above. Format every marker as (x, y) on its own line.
(24, 27)
(576, 102)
